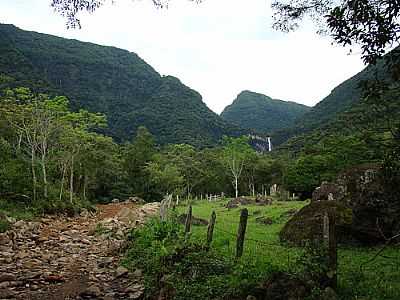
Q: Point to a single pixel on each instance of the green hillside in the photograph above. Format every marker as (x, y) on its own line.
(344, 100)
(259, 112)
(115, 82)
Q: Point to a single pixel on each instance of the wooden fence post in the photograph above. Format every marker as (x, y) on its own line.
(163, 210)
(210, 229)
(241, 232)
(188, 222)
(330, 244)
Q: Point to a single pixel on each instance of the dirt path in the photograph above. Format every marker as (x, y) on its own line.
(72, 258)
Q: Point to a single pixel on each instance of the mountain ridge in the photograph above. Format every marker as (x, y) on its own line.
(262, 113)
(112, 81)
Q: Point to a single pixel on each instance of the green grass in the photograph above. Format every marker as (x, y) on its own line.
(379, 279)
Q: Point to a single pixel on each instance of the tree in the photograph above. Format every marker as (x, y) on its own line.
(136, 156)
(185, 158)
(70, 9)
(235, 154)
(372, 24)
(165, 175)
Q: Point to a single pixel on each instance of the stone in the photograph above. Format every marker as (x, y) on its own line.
(19, 224)
(329, 294)
(261, 200)
(6, 293)
(93, 291)
(233, 203)
(84, 213)
(4, 239)
(121, 271)
(137, 273)
(306, 225)
(328, 192)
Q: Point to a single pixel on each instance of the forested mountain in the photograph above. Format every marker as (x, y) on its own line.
(259, 112)
(112, 81)
(344, 100)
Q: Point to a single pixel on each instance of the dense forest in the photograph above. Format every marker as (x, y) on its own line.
(261, 113)
(115, 82)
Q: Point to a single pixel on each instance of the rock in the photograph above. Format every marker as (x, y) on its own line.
(328, 192)
(264, 220)
(4, 239)
(284, 286)
(84, 213)
(121, 271)
(261, 200)
(371, 199)
(134, 288)
(233, 203)
(115, 200)
(93, 291)
(54, 278)
(329, 294)
(136, 200)
(138, 273)
(307, 224)
(6, 293)
(19, 224)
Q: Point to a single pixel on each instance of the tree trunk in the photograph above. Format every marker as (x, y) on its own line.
(84, 186)
(34, 180)
(236, 187)
(44, 171)
(71, 181)
(64, 169)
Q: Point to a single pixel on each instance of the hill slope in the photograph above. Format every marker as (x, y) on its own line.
(112, 81)
(343, 99)
(262, 113)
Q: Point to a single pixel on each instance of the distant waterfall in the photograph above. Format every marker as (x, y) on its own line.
(269, 145)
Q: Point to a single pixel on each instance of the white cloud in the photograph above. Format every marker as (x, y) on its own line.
(218, 48)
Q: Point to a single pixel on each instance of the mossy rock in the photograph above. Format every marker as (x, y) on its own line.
(307, 224)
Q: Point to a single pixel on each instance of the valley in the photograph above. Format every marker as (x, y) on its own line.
(117, 182)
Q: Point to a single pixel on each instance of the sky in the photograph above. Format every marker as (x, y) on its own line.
(218, 47)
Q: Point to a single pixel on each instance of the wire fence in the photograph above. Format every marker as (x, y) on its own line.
(225, 239)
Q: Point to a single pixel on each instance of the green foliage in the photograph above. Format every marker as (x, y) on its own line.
(4, 225)
(126, 89)
(261, 113)
(322, 161)
(186, 267)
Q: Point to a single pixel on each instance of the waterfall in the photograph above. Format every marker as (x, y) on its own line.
(269, 144)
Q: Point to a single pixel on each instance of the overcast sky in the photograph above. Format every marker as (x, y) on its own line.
(219, 47)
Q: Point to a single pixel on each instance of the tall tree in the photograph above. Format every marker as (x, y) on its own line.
(137, 155)
(235, 154)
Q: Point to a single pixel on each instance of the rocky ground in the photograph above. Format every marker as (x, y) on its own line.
(72, 258)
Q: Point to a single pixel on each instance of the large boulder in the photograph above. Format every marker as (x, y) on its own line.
(376, 212)
(328, 192)
(366, 210)
(307, 224)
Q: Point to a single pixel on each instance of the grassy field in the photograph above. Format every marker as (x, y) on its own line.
(378, 279)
